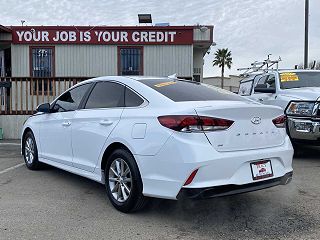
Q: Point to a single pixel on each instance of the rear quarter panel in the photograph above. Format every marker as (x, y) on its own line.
(140, 130)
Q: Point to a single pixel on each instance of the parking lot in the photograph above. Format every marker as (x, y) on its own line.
(53, 204)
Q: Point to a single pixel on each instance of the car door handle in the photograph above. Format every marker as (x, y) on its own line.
(66, 124)
(260, 99)
(106, 122)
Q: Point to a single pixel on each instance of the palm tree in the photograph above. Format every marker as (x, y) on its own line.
(222, 58)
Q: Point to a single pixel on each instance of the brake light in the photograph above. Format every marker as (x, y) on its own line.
(280, 121)
(194, 123)
(191, 177)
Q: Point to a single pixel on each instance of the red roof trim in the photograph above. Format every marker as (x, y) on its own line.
(106, 27)
(5, 29)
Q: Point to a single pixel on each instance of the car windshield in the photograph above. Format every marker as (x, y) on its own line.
(299, 79)
(182, 91)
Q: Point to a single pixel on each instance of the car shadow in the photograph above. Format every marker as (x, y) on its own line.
(307, 152)
(262, 213)
(257, 213)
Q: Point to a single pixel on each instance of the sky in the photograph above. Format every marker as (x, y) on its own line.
(251, 29)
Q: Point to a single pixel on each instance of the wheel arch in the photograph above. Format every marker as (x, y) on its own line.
(107, 152)
(25, 131)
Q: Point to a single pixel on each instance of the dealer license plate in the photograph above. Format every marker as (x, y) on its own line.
(261, 169)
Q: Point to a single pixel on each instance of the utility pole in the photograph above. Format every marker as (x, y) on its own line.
(306, 30)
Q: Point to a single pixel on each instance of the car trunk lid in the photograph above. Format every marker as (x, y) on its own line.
(252, 128)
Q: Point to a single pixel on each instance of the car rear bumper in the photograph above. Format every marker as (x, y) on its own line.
(165, 174)
(219, 191)
(304, 129)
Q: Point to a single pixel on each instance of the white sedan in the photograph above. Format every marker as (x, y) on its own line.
(160, 137)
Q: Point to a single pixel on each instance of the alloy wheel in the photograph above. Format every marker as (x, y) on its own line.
(29, 150)
(120, 180)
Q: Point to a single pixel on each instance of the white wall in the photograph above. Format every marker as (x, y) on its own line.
(164, 60)
(20, 60)
(99, 60)
(11, 125)
(198, 62)
(231, 83)
(85, 60)
(198, 35)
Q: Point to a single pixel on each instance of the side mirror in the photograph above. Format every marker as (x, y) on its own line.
(262, 88)
(44, 108)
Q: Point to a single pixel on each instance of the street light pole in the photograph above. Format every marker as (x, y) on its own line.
(306, 30)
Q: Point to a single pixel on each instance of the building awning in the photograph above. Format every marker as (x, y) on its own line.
(4, 29)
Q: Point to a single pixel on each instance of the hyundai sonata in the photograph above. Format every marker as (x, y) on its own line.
(160, 137)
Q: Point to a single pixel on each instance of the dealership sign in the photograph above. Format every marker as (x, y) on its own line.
(102, 35)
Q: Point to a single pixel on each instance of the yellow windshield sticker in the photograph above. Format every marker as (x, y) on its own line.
(289, 77)
(164, 84)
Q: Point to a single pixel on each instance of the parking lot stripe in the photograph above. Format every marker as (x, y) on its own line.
(15, 144)
(11, 168)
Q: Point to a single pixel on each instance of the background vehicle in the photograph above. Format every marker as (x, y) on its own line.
(281, 87)
(160, 137)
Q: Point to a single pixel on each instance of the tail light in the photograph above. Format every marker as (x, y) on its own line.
(193, 123)
(191, 177)
(280, 121)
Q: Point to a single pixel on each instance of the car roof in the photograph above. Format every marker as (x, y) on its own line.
(126, 78)
(250, 76)
(298, 70)
(139, 78)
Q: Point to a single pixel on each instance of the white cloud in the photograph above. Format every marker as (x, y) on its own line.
(251, 29)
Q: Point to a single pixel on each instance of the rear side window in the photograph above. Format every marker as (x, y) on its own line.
(262, 80)
(106, 95)
(245, 88)
(267, 81)
(71, 100)
(132, 99)
(182, 91)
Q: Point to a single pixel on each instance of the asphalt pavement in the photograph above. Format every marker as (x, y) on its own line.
(54, 204)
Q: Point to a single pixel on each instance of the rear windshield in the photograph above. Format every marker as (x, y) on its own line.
(299, 79)
(182, 91)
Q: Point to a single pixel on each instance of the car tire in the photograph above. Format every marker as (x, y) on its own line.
(30, 152)
(123, 182)
(296, 148)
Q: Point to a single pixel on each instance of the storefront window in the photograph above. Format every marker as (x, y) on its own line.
(130, 61)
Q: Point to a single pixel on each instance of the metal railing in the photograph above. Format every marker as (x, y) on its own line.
(21, 95)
